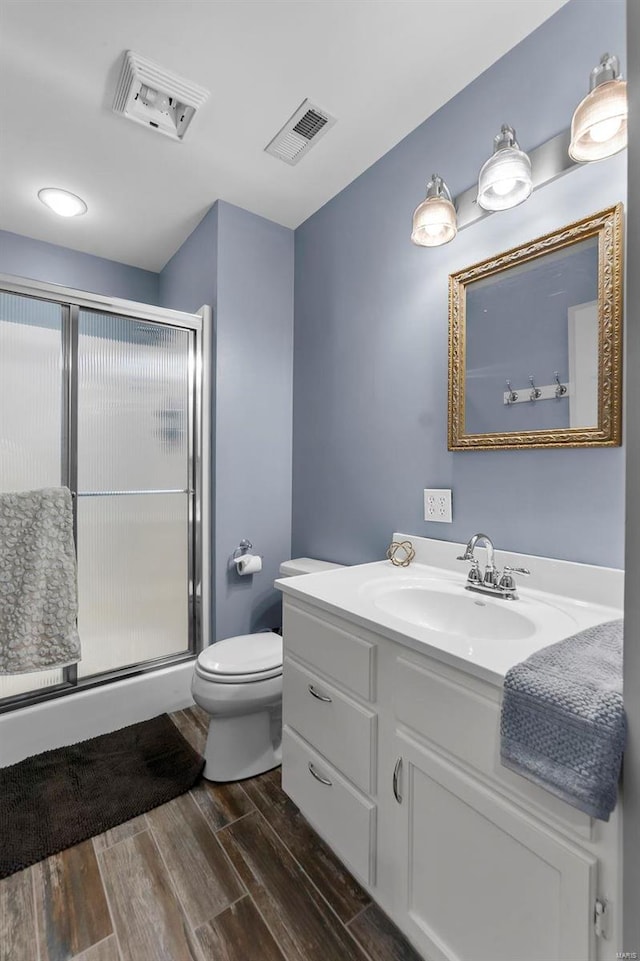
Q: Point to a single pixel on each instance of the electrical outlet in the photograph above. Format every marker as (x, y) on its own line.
(437, 506)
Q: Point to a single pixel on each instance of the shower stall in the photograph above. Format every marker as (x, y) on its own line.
(106, 397)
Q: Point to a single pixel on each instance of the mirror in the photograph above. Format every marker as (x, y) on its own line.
(535, 342)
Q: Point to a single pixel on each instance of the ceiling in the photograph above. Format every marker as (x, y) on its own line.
(380, 66)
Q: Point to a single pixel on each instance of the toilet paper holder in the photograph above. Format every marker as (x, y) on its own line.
(244, 547)
(245, 562)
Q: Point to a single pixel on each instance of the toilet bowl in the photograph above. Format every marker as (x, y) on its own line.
(238, 682)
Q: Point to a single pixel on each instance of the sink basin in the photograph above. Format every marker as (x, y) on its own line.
(466, 615)
(449, 609)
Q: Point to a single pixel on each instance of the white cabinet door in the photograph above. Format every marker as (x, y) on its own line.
(478, 880)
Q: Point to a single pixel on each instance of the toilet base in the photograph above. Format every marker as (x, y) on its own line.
(243, 746)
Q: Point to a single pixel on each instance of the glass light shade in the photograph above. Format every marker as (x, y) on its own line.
(62, 202)
(599, 124)
(505, 179)
(434, 222)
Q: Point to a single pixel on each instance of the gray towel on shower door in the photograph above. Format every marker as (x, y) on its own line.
(38, 581)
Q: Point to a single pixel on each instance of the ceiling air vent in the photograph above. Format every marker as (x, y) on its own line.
(308, 124)
(150, 95)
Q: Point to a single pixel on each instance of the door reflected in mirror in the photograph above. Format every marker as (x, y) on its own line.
(535, 342)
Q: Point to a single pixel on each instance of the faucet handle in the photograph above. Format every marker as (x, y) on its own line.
(475, 577)
(467, 556)
(507, 582)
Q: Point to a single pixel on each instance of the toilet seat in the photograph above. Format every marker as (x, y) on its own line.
(243, 659)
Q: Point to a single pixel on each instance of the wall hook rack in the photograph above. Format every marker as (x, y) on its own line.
(533, 393)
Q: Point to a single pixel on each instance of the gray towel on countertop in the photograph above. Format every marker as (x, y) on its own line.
(38, 581)
(563, 724)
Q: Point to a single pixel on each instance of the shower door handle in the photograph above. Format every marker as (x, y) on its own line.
(397, 771)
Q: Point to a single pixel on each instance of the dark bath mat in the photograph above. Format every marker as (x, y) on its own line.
(57, 799)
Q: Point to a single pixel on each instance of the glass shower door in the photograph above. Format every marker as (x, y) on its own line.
(135, 491)
(31, 419)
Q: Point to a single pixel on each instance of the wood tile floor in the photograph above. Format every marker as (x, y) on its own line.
(224, 873)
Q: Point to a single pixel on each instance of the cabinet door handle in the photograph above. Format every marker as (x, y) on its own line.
(320, 697)
(397, 771)
(318, 777)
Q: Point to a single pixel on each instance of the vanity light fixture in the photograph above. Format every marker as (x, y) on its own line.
(599, 124)
(62, 202)
(434, 220)
(505, 179)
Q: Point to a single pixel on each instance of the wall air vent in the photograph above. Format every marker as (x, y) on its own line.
(301, 131)
(150, 95)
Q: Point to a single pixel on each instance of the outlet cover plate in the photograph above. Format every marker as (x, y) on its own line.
(437, 505)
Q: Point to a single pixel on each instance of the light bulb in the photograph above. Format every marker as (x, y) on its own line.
(435, 231)
(605, 129)
(504, 187)
(62, 202)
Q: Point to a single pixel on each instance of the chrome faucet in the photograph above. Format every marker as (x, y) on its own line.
(493, 582)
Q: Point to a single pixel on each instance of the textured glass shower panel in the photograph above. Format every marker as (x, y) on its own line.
(30, 419)
(30, 393)
(133, 392)
(11, 685)
(132, 579)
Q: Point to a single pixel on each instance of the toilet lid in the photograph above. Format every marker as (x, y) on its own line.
(244, 655)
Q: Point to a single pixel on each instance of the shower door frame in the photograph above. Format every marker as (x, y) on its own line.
(72, 302)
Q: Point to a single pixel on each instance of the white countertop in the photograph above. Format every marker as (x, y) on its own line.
(352, 593)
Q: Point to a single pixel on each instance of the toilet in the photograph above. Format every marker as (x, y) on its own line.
(238, 682)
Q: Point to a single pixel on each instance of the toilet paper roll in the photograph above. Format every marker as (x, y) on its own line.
(248, 564)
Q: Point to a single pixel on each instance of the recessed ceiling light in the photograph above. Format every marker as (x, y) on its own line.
(62, 202)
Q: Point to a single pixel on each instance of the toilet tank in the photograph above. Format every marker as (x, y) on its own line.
(305, 565)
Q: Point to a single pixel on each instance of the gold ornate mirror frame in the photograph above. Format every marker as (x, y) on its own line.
(607, 227)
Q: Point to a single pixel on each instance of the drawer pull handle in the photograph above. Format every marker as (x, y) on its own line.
(318, 777)
(320, 697)
(397, 771)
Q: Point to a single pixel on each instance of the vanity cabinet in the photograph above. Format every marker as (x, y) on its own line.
(393, 756)
(479, 880)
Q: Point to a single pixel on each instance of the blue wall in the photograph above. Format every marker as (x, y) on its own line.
(370, 384)
(243, 266)
(51, 264)
(254, 334)
(189, 280)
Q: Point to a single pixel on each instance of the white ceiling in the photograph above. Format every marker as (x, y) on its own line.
(380, 66)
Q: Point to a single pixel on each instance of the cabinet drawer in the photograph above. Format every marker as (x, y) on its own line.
(341, 815)
(341, 730)
(348, 659)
